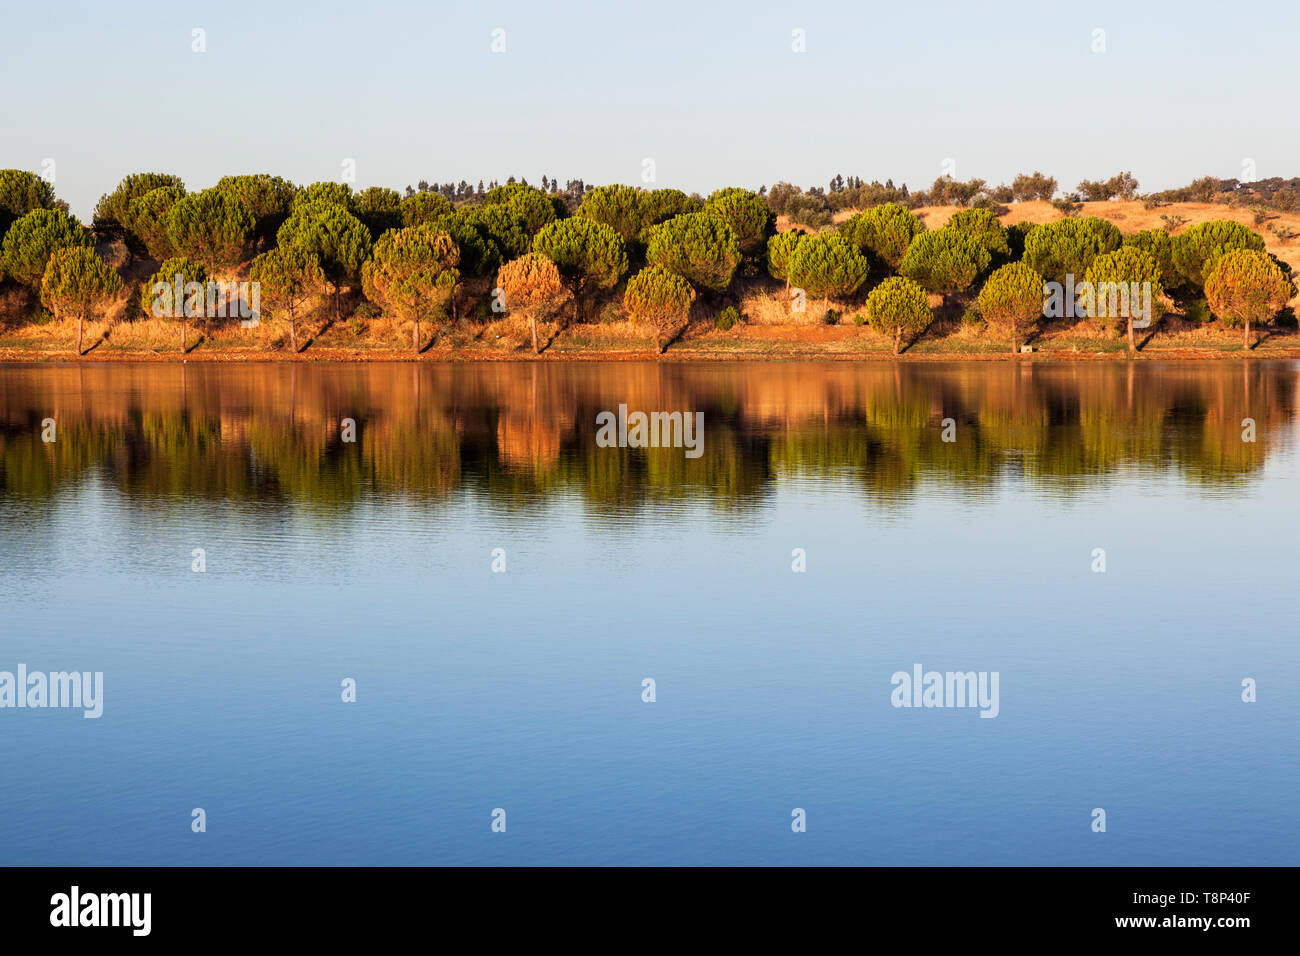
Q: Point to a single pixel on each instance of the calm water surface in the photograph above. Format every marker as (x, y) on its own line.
(372, 560)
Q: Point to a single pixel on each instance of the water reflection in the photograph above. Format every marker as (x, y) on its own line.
(520, 433)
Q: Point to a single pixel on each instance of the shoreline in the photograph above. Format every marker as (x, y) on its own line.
(13, 356)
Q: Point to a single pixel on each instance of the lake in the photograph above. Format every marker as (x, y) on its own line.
(237, 548)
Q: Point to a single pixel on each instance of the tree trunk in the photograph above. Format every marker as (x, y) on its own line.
(182, 336)
(898, 338)
(293, 336)
(1132, 341)
(1013, 345)
(80, 317)
(1245, 342)
(415, 337)
(532, 321)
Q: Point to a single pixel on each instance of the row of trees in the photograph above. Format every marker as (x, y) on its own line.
(412, 256)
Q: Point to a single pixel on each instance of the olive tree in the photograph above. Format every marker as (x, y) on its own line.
(590, 255)
(211, 226)
(1123, 285)
(338, 240)
(531, 286)
(176, 291)
(78, 282)
(1068, 246)
(898, 306)
(883, 231)
(700, 248)
(1246, 285)
(33, 238)
(1195, 250)
(944, 262)
(825, 265)
(1012, 301)
(661, 299)
(747, 214)
(287, 278)
(412, 272)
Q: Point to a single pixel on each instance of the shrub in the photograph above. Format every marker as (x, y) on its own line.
(698, 247)
(1011, 301)
(898, 306)
(727, 319)
(660, 298)
(1067, 206)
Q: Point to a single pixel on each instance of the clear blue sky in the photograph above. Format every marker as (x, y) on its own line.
(711, 91)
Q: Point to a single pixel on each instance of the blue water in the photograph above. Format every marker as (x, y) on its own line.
(522, 690)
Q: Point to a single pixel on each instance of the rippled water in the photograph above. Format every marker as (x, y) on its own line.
(372, 559)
